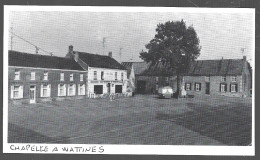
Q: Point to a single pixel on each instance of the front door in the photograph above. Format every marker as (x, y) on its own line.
(108, 88)
(207, 88)
(32, 94)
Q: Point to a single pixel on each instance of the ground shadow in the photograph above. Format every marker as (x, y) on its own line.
(17, 134)
(231, 126)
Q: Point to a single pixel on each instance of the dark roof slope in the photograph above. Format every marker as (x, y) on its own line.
(41, 61)
(100, 61)
(139, 67)
(158, 69)
(216, 67)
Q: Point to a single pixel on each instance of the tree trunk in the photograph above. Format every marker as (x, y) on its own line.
(179, 85)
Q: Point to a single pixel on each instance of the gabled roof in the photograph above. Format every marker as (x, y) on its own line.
(216, 67)
(41, 61)
(100, 61)
(139, 67)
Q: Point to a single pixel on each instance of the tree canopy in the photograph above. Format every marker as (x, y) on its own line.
(174, 44)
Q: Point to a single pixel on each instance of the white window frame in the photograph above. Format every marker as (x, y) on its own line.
(233, 78)
(62, 87)
(95, 75)
(233, 88)
(71, 77)
(71, 86)
(80, 88)
(197, 86)
(81, 77)
(47, 89)
(33, 74)
(18, 90)
(45, 75)
(116, 76)
(17, 75)
(223, 87)
(61, 76)
(223, 78)
(188, 87)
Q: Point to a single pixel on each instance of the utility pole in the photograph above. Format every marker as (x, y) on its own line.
(11, 29)
(120, 54)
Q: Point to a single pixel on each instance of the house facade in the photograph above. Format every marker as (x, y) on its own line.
(105, 74)
(228, 77)
(35, 78)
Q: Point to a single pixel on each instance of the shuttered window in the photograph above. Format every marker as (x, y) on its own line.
(223, 87)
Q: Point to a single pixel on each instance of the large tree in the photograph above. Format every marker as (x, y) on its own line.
(175, 46)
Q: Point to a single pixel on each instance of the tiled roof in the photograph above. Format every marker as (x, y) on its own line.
(100, 61)
(158, 69)
(41, 61)
(139, 67)
(216, 67)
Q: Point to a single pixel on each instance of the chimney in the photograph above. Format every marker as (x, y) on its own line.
(70, 48)
(110, 54)
(244, 58)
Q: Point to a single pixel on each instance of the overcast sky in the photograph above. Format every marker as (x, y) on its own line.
(220, 34)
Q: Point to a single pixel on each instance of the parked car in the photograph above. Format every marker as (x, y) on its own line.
(165, 92)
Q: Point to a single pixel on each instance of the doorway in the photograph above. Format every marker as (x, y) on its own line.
(32, 94)
(108, 88)
(141, 86)
(207, 88)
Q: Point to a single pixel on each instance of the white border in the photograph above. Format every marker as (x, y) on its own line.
(126, 149)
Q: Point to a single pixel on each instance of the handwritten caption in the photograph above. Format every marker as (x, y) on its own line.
(56, 149)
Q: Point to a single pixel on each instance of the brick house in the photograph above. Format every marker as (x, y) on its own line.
(229, 77)
(34, 78)
(105, 74)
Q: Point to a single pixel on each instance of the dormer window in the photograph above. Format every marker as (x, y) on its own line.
(17, 75)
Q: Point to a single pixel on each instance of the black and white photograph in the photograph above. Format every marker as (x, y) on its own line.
(85, 80)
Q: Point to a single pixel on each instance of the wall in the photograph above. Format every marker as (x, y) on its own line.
(109, 77)
(53, 79)
(215, 82)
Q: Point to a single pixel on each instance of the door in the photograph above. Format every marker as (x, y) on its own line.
(207, 88)
(108, 88)
(141, 86)
(32, 94)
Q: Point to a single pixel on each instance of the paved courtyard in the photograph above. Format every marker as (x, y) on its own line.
(142, 119)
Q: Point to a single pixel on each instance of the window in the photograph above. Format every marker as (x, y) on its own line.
(95, 75)
(223, 87)
(166, 79)
(45, 90)
(32, 76)
(115, 75)
(223, 78)
(118, 88)
(233, 78)
(81, 89)
(197, 86)
(71, 77)
(122, 76)
(61, 76)
(71, 90)
(207, 78)
(102, 75)
(61, 90)
(16, 75)
(45, 75)
(156, 79)
(188, 86)
(16, 92)
(233, 87)
(81, 77)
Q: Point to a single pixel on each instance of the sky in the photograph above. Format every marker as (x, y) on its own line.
(220, 34)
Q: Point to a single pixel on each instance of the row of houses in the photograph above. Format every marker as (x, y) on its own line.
(34, 78)
(228, 77)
